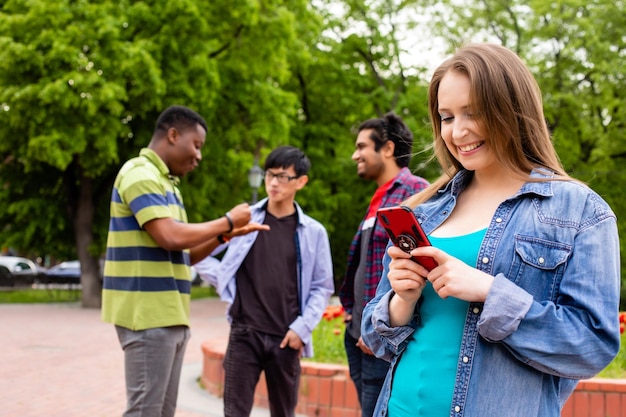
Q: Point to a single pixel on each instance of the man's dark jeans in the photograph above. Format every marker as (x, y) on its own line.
(249, 352)
(368, 374)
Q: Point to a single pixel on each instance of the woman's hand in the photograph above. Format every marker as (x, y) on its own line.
(407, 278)
(454, 278)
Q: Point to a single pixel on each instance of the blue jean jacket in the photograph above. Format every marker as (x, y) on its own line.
(551, 316)
(315, 270)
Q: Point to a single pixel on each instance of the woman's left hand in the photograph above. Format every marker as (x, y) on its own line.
(454, 278)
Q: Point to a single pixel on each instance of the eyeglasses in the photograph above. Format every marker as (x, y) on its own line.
(282, 178)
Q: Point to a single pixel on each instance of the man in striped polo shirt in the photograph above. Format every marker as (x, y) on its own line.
(150, 247)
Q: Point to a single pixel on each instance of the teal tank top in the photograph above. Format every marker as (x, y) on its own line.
(424, 377)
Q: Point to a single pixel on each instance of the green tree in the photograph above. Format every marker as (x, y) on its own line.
(81, 84)
(342, 78)
(252, 111)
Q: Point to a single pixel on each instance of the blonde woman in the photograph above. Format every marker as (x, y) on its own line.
(524, 302)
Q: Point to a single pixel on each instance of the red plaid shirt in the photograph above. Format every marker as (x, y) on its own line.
(404, 185)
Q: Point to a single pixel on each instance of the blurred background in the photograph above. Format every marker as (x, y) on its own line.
(82, 83)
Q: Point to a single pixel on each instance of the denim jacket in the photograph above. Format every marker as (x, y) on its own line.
(315, 270)
(551, 315)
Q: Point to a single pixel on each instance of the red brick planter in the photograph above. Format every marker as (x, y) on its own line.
(327, 391)
(597, 398)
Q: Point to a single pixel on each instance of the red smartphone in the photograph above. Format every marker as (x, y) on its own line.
(405, 232)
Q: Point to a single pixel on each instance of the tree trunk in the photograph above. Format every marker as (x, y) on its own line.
(83, 228)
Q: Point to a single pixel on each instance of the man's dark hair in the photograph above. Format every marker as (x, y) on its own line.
(391, 127)
(179, 117)
(286, 156)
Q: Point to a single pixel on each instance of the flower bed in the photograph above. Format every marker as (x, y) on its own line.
(328, 337)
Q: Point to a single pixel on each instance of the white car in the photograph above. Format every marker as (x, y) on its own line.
(15, 270)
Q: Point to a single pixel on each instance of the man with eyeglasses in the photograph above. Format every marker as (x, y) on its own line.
(277, 284)
(383, 152)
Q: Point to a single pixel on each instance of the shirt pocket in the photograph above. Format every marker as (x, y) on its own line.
(538, 266)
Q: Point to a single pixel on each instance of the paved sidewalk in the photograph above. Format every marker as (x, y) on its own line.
(60, 360)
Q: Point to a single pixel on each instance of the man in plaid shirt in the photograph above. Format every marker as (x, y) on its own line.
(383, 152)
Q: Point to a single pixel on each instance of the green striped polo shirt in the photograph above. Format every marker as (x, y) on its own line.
(145, 286)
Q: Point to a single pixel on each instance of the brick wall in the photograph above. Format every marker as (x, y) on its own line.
(327, 391)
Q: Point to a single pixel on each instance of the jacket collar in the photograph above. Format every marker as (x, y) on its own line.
(262, 206)
(542, 186)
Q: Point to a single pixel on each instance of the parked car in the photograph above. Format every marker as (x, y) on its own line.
(67, 272)
(18, 271)
(6, 279)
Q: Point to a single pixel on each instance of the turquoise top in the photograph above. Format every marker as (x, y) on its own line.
(424, 378)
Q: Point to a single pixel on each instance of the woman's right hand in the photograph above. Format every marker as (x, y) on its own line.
(407, 277)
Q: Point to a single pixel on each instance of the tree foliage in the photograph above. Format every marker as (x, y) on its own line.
(80, 85)
(82, 82)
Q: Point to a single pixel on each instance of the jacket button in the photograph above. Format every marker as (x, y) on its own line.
(485, 260)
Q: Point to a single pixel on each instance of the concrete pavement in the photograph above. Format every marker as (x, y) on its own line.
(60, 360)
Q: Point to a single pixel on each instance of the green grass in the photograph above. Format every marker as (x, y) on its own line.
(328, 342)
(202, 292)
(34, 296)
(64, 295)
(617, 368)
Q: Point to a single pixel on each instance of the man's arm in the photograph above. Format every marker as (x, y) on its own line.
(172, 235)
(200, 252)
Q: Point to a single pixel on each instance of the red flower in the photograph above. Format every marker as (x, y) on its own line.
(622, 321)
(332, 312)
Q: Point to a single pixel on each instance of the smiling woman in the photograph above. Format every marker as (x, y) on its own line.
(510, 232)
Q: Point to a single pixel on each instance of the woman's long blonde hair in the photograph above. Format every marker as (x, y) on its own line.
(506, 102)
